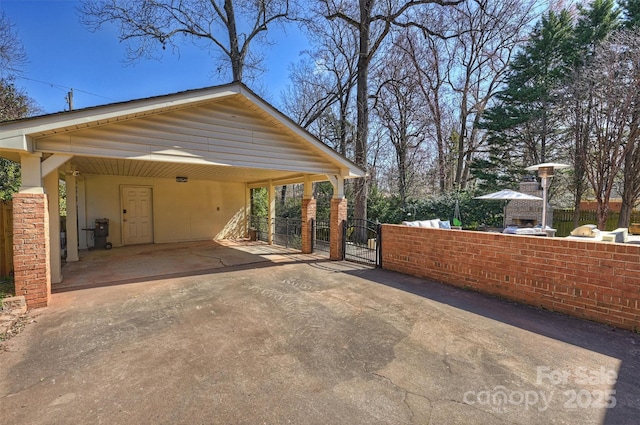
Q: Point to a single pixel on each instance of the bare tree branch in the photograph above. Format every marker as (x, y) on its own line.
(147, 26)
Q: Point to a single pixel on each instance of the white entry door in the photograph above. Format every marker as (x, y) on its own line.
(137, 215)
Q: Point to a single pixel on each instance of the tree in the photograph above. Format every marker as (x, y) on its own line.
(12, 53)
(14, 103)
(228, 25)
(631, 175)
(629, 44)
(595, 23)
(431, 61)
(630, 178)
(399, 106)
(9, 179)
(321, 99)
(489, 33)
(631, 10)
(373, 20)
(522, 127)
(461, 75)
(610, 83)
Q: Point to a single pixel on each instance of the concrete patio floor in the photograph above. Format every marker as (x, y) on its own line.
(161, 261)
(239, 333)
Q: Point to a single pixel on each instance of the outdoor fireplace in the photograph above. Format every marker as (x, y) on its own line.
(524, 222)
(525, 213)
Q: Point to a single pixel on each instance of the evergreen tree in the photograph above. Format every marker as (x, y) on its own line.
(521, 127)
(631, 10)
(538, 119)
(594, 25)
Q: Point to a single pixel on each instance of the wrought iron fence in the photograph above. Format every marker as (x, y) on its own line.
(321, 234)
(261, 227)
(288, 232)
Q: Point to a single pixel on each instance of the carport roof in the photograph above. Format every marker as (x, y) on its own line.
(216, 133)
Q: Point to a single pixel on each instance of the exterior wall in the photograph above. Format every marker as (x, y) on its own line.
(31, 248)
(196, 210)
(591, 280)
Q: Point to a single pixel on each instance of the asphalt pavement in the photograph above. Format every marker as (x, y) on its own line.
(310, 341)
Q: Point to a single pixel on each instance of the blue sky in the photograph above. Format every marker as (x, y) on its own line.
(62, 54)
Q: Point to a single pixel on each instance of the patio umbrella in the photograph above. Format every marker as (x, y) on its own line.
(508, 195)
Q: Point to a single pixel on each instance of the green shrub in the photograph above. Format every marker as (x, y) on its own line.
(473, 212)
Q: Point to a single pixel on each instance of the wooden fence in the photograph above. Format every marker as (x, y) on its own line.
(563, 220)
(6, 238)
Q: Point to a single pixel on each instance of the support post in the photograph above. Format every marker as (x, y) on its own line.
(31, 173)
(271, 225)
(31, 252)
(72, 219)
(308, 216)
(247, 210)
(52, 189)
(338, 217)
(82, 214)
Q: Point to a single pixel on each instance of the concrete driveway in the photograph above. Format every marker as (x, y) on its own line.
(291, 339)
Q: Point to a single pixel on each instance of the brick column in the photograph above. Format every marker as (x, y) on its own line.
(31, 260)
(338, 216)
(308, 215)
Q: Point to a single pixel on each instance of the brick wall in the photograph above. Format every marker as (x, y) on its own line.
(31, 248)
(595, 281)
(338, 215)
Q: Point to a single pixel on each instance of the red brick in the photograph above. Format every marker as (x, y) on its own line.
(584, 279)
(31, 246)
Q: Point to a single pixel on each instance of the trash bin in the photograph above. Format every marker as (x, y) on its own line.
(101, 233)
(253, 234)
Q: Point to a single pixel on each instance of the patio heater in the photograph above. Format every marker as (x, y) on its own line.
(545, 172)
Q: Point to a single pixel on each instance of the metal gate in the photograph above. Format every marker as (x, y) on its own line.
(362, 242)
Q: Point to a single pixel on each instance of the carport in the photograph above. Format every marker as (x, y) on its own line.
(172, 168)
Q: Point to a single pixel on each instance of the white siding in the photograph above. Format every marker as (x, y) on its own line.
(219, 133)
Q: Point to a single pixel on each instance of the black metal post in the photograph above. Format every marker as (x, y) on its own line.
(344, 239)
(379, 245)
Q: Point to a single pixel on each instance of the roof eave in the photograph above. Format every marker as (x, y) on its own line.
(96, 115)
(354, 171)
(15, 135)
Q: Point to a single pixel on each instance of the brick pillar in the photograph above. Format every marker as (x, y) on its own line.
(32, 271)
(308, 215)
(338, 216)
